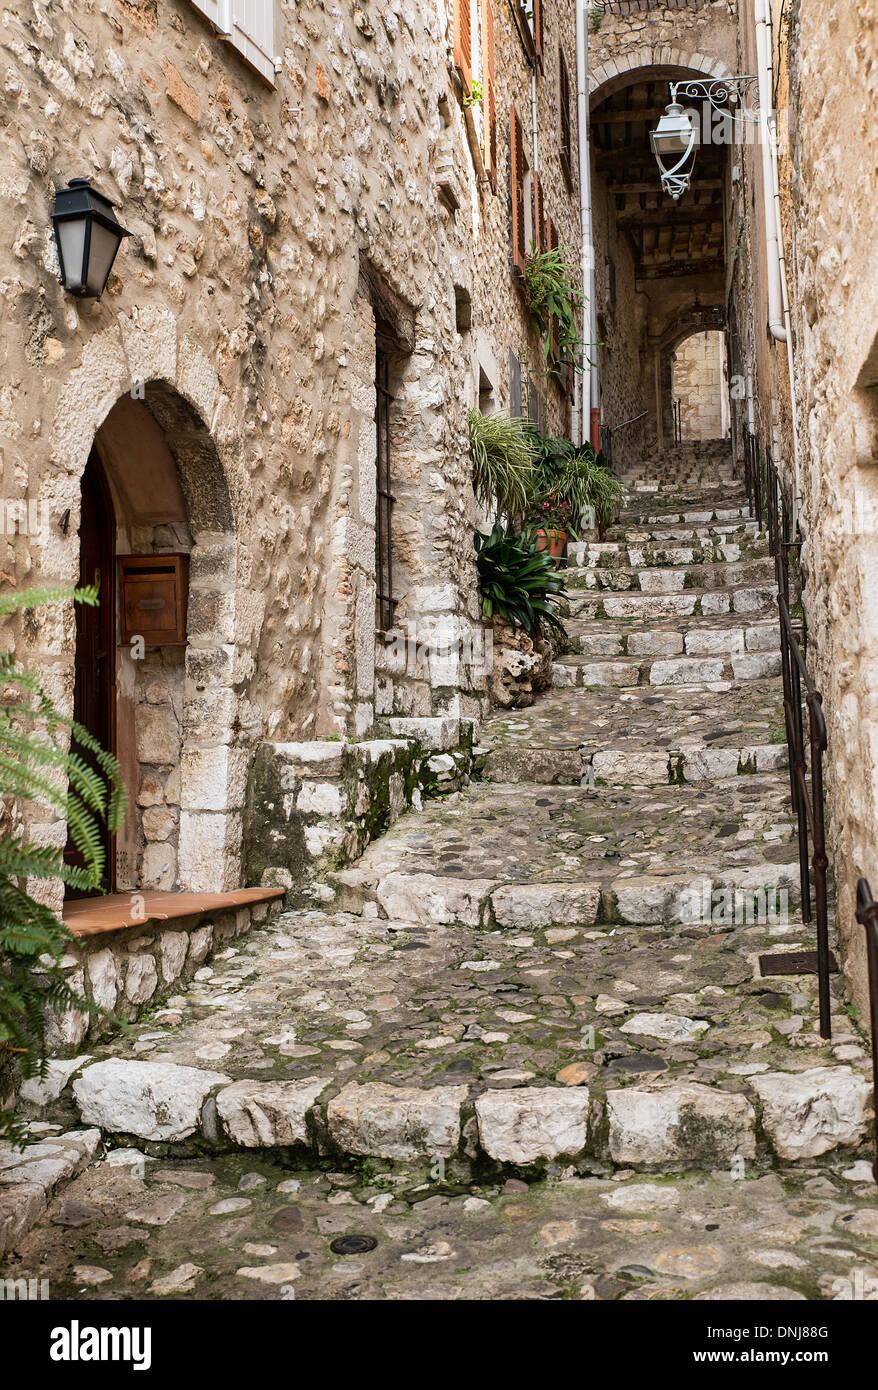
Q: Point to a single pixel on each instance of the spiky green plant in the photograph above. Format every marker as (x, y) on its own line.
(579, 475)
(38, 762)
(517, 581)
(552, 299)
(502, 456)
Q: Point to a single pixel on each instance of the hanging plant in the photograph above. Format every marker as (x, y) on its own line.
(552, 301)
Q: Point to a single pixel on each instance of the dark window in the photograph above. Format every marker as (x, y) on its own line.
(566, 146)
(514, 385)
(384, 501)
(534, 405)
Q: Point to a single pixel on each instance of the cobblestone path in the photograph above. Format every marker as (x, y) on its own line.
(525, 1044)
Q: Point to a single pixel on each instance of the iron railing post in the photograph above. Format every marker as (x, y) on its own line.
(867, 916)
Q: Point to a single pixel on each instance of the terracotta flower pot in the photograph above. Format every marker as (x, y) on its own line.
(553, 541)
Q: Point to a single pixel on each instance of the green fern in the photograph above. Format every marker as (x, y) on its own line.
(39, 763)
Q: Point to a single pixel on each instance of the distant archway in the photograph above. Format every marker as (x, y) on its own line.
(698, 386)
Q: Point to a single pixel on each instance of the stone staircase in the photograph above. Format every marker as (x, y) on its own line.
(558, 967)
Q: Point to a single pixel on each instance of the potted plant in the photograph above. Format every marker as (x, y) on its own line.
(552, 517)
(580, 476)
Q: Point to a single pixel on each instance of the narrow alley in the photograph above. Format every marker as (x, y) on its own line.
(532, 1047)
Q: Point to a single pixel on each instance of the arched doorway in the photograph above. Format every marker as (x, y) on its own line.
(94, 684)
(155, 663)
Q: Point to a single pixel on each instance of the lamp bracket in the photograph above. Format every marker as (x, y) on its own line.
(723, 92)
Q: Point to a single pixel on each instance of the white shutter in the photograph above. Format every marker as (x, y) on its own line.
(251, 31)
(217, 11)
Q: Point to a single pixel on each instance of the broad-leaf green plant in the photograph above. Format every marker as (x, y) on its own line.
(518, 582)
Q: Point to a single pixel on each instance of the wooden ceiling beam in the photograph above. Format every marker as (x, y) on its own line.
(675, 269)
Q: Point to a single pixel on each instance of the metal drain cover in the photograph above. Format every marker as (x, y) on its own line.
(794, 963)
(352, 1245)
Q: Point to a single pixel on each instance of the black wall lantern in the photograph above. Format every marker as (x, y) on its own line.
(88, 235)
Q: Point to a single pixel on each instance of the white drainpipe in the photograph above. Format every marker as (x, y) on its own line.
(589, 396)
(533, 120)
(779, 323)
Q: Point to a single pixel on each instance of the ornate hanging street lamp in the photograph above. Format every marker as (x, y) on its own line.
(87, 235)
(675, 139)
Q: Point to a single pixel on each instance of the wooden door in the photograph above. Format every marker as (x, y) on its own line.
(94, 692)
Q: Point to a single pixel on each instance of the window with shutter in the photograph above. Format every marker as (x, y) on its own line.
(214, 10)
(489, 83)
(566, 148)
(551, 245)
(539, 238)
(516, 174)
(248, 25)
(252, 33)
(463, 42)
(538, 30)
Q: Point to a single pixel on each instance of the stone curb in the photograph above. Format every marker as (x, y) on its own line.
(789, 1115)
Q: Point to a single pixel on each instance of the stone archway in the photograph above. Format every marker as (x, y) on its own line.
(686, 324)
(659, 59)
(185, 757)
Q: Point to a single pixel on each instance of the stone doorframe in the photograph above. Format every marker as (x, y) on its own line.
(145, 353)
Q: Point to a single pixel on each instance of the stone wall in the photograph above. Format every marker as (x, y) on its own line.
(830, 166)
(312, 808)
(269, 225)
(827, 97)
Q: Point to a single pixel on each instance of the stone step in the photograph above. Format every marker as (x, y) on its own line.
(677, 482)
(556, 1044)
(675, 579)
(627, 554)
(644, 735)
(640, 605)
(30, 1176)
(632, 767)
(683, 513)
(728, 635)
(583, 671)
(501, 854)
(723, 533)
(802, 1114)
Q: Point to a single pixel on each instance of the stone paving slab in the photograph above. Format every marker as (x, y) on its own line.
(242, 1227)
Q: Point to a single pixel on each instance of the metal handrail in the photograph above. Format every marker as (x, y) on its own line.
(612, 429)
(867, 916)
(607, 432)
(678, 421)
(806, 772)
